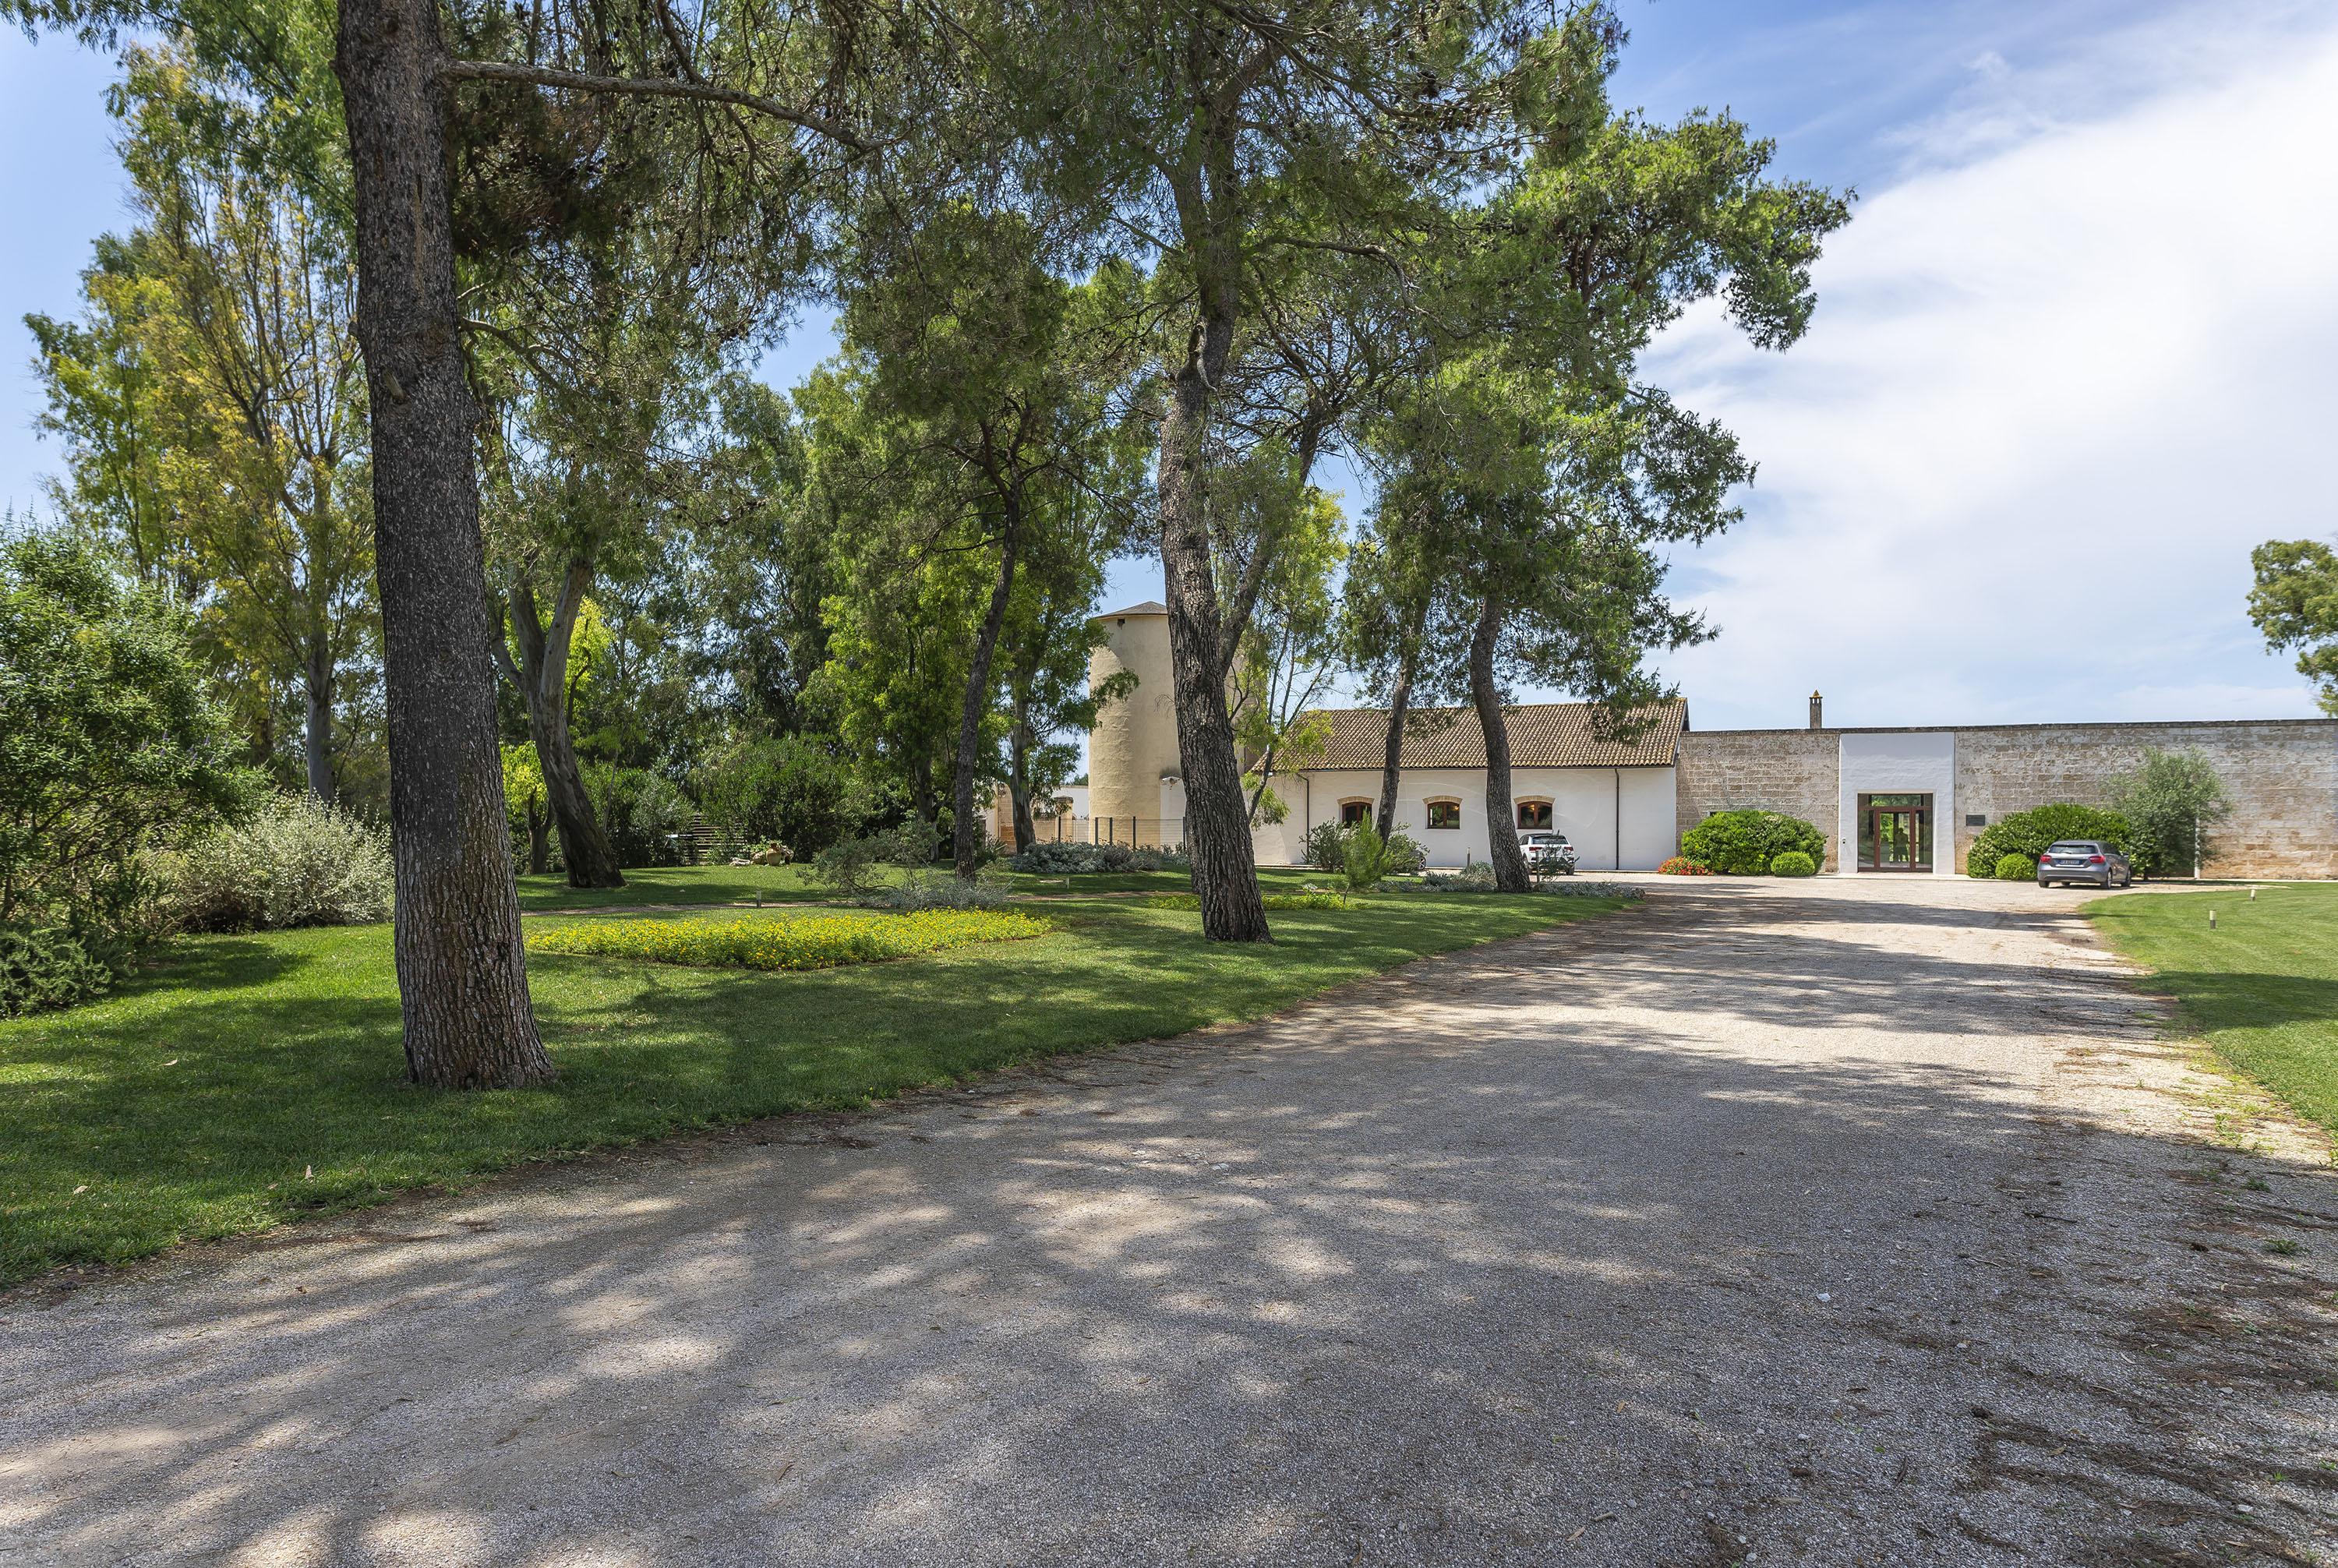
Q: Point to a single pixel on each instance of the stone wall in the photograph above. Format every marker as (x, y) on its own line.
(2282, 775)
(1788, 771)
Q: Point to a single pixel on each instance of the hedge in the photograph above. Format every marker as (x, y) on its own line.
(1745, 843)
(2029, 832)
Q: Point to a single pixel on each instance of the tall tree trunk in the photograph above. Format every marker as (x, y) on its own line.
(1393, 755)
(1501, 820)
(924, 804)
(462, 974)
(1217, 820)
(541, 677)
(317, 738)
(1018, 774)
(539, 834)
(966, 829)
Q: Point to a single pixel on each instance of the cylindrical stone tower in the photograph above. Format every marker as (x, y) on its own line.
(1134, 746)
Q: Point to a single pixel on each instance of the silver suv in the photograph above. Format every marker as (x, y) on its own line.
(1548, 852)
(2084, 860)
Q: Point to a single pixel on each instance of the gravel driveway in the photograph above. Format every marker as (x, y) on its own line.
(1852, 1222)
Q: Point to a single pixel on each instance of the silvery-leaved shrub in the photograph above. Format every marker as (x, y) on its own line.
(297, 862)
(1478, 877)
(943, 890)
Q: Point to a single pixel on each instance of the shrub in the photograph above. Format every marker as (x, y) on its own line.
(1478, 877)
(1743, 843)
(1325, 847)
(106, 738)
(1793, 863)
(298, 862)
(1055, 859)
(789, 788)
(944, 890)
(822, 941)
(851, 866)
(1682, 865)
(2029, 832)
(2016, 868)
(2173, 803)
(1367, 864)
(643, 814)
(46, 969)
(1064, 859)
(1406, 857)
(1575, 887)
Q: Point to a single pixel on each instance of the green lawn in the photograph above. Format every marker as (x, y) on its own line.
(2262, 987)
(241, 1082)
(669, 884)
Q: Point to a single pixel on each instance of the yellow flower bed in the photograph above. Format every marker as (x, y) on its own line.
(785, 942)
(1311, 899)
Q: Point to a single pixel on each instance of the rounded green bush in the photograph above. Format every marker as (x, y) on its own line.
(1793, 863)
(2016, 869)
(1743, 843)
(2028, 832)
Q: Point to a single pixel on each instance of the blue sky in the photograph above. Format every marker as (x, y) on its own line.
(2072, 357)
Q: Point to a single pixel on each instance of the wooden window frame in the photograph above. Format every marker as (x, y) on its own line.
(1368, 805)
(1550, 811)
(1429, 809)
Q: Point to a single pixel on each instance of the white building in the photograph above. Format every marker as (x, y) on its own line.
(1888, 800)
(1614, 800)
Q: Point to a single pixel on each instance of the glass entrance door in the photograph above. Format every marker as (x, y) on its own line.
(1896, 833)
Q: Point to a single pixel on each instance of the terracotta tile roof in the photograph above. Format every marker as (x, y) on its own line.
(1150, 607)
(1542, 735)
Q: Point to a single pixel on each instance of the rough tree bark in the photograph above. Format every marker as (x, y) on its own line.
(462, 974)
(539, 835)
(317, 738)
(1217, 822)
(966, 829)
(1501, 823)
(542, 676)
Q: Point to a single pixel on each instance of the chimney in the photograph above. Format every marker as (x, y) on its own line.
(1817, 722)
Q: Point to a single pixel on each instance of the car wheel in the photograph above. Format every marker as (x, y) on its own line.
(2043, 883)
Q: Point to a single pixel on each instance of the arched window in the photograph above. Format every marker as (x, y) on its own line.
(1533, 813)
(1354, 811)
(1445, 813)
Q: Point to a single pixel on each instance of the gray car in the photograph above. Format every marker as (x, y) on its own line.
(2084, 862)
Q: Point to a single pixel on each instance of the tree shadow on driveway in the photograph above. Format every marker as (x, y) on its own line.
(1661, 1240)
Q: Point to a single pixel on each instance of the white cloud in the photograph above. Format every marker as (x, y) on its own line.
(2061, 380)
